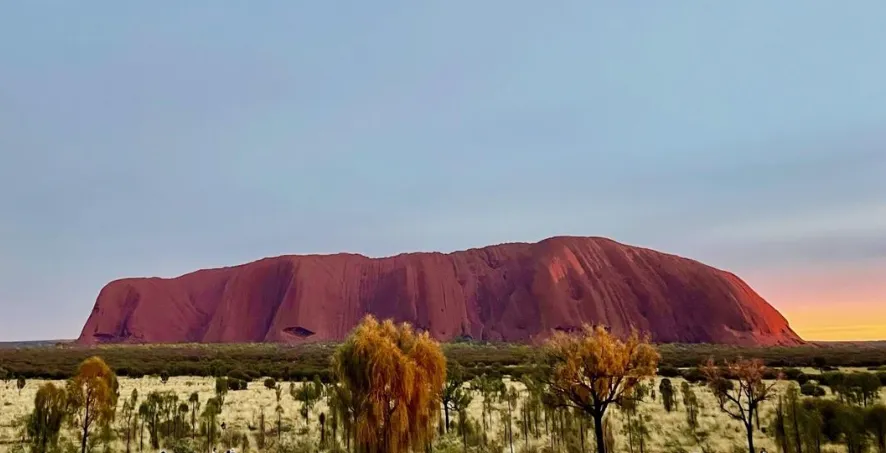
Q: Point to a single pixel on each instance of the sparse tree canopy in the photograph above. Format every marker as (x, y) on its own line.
(454, 393)
(743, 402)
(44, 424)
(93, 396)
(594, 369)
(395, 377)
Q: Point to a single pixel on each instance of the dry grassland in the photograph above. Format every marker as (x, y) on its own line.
(242, 408)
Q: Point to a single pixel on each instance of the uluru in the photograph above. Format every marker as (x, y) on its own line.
(516, 292)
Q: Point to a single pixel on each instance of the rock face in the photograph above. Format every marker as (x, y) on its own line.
(510, 292)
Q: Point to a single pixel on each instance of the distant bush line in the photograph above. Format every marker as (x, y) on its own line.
(282, 362)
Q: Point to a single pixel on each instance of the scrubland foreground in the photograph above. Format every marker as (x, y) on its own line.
(375, 400)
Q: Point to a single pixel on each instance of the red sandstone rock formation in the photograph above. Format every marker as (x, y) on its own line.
(511, 292)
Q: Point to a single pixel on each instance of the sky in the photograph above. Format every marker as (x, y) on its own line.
(155, 138)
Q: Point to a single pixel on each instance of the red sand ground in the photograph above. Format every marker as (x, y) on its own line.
(511, 292)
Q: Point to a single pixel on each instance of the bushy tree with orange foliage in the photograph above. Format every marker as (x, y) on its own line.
(395, 377)
(593, 369)
(92, 396)
(741, 402)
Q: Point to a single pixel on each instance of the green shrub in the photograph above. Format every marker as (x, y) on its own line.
(235, 384)
(668, 372)
(792, 373)
(239, 375)
(812, 389)
(693, 375)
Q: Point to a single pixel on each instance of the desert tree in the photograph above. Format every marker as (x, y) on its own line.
(279, 411)
(396, 377)
(344, 405)
(92, 396)
(169, 406)
(666, 388)
(45, 422)
(20, 383)
(454, 389)
(143, 417)
(221, 390)
(510, 396)
(820, 363)
(260, 436)
(875, 419)
(460, 404)
(532, 403)
(210, 414)
(308, 394)
(129, 416)
(740, 403)
(322, 420)
(181, 424)
(851, 422)
(690, 403)
(194, 403)
(489, 388)
(270, 383)
(593, 369)
(635, 425)
(150, 411)
(278, 394)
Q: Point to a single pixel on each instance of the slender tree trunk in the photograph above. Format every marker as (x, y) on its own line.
(128, 435)
(510, 427)
(796, 426)
(525, 427)
(322, 434)
(86, 422)
(750, 427)
(446, 416)
(598, 432)
(642, 433)
(464, 433)
(335, 429)
(581, 432)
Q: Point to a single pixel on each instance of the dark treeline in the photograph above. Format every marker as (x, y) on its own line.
(251, 361)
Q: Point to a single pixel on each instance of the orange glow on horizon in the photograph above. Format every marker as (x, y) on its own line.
(847, 304)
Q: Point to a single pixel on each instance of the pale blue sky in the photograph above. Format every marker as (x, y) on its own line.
(153, 138)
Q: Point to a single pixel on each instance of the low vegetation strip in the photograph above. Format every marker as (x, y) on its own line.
(307, 360)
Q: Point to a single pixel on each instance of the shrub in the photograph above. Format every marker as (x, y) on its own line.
(812, 389)
(270, 383)
(693, 375)
(235, 384)
(239, 375)
(792, 373)
(668, 372)
(184, 446)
